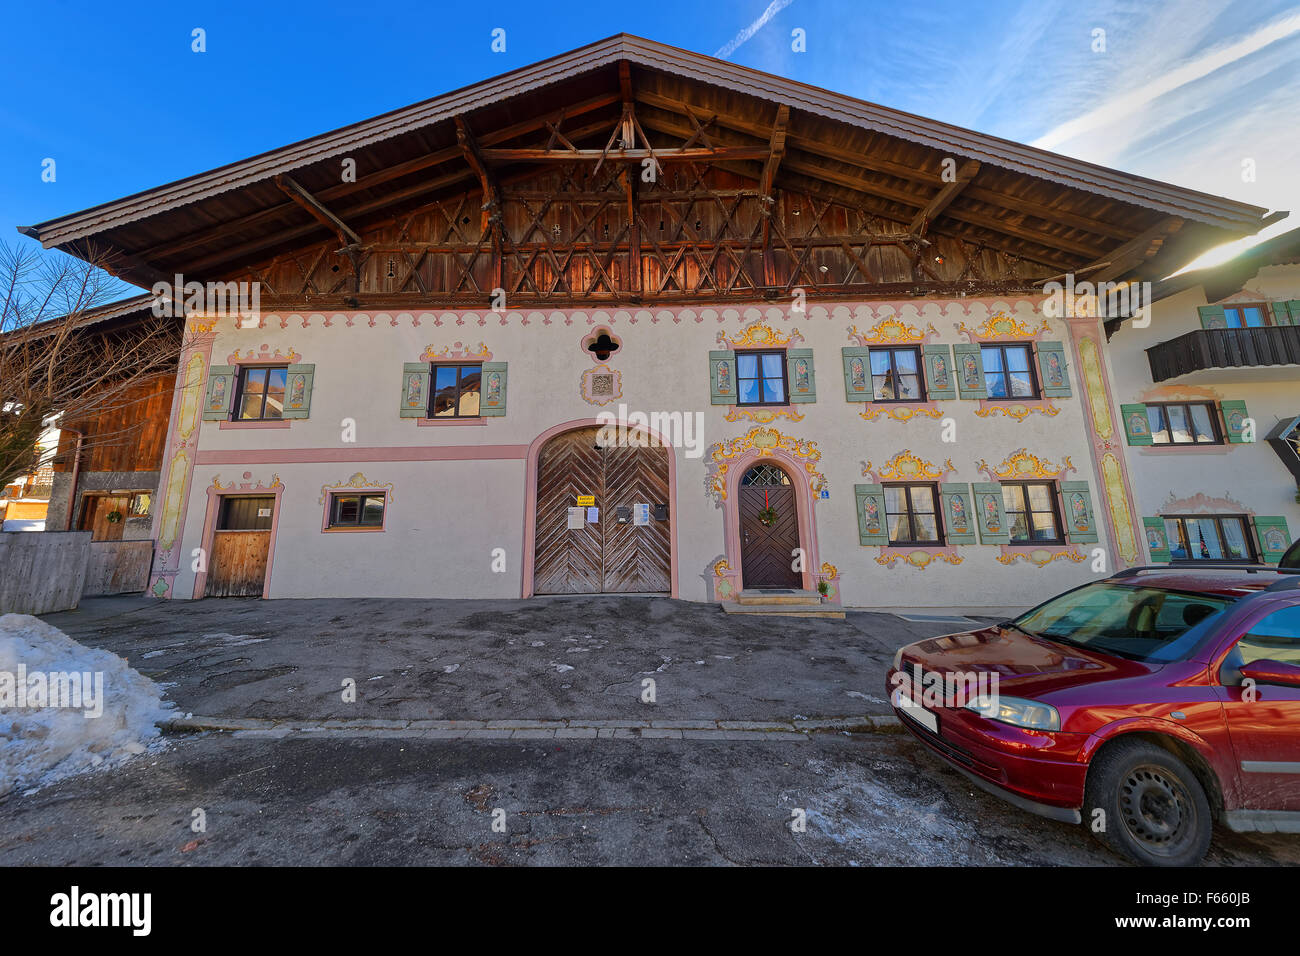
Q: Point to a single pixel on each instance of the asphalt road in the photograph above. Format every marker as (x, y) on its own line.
(867, 800)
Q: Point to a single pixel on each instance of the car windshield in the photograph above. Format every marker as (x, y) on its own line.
(1141, 623)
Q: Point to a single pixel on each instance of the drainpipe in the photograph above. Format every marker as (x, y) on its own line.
(76, 475)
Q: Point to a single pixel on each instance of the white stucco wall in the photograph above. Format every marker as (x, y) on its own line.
(1247, 478)
(447, 516)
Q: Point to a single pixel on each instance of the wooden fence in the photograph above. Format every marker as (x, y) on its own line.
(42, 571)
(118, 567)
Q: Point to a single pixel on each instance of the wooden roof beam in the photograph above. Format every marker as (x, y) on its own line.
(595, 155)
(776, 149)
(899, 170)
(381, 176)
(290, 187)
(945, 196)
(1134, 252)
(474, 156)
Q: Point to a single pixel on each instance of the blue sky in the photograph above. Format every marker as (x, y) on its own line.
(1184, 91)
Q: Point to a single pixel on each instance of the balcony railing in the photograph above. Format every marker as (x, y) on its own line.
(1225, 348)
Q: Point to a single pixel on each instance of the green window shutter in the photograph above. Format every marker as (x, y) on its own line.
(1137, 427)
(722, 378)
(492, 390)
(1157, 540)
(1076, 510)
(1281, 313)
(1212, 317)
(220, 393)
(415, 390)
(857, 373)
(799, 371)
(873, 527)
(1293, 307)
(989, 516)
(958, 517)
(970, 371)
(297, 391)
(1234, 421)
(939, 379)
(1273, 537)
(1053, 372)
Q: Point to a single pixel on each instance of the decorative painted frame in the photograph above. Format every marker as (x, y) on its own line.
(356, 484)
(892, 331)
(216, 491)
(262, 357)
(601, 385)
(910, 468)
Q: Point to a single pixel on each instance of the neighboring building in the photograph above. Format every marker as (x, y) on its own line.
(1209, 394)
(114, 458)
(24, 501)
(849, 297)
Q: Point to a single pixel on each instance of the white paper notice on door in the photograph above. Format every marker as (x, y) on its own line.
(576, 518)
(593, 515)
(640, 513)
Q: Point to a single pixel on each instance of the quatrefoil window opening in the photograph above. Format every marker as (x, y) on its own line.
(601, 344)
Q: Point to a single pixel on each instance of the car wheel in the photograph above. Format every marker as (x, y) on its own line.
(1155, 810)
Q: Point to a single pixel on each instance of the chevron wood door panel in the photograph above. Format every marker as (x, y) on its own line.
(568, 561)
(603, 556)
(766, 553)
(637, 558)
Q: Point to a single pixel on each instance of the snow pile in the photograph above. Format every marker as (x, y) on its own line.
(65, 708)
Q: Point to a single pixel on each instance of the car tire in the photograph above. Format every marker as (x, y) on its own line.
(1155, 811)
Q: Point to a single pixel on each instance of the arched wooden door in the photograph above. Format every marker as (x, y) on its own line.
(628, 547)
(769, 528)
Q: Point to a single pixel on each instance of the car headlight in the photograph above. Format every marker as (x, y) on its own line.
(1017, 711)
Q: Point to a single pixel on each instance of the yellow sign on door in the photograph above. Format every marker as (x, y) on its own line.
(586, 501)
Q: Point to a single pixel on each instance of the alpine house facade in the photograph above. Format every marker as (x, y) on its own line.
(633, 319)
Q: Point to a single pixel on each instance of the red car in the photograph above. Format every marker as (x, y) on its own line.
(1146, 706)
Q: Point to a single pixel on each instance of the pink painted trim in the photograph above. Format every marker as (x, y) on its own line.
(530, 502)
(210, 526)
(307, 456)
(349, 490)
(440, 422)
(239, 426)
(803, 501)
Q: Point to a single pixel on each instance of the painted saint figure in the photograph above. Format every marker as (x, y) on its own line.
(413, 391)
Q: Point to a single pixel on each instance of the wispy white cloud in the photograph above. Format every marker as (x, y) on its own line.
(1132, 101)
(773, 8)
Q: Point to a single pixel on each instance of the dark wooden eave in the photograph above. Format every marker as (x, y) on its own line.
(624, 100)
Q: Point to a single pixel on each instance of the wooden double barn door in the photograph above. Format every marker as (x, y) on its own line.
(769, 529)
(603, 556)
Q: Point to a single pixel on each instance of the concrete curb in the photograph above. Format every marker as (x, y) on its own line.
(530, 729)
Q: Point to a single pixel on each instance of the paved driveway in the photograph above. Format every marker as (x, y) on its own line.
(540, 658)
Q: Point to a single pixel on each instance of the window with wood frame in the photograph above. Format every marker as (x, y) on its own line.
(1218, 538)
(912, 513)
(361, 511)
(761, 377)
(1009, 371)
(896, 375)
(1033, 516)
(455, 391)
(1184, 423)
(1246, 315)
(260, 393)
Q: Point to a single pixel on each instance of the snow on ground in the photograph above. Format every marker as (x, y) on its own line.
(41, 743)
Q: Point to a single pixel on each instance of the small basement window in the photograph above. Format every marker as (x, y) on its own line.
(356, 512)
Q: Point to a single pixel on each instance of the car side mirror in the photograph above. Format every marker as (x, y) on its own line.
(1271, 672)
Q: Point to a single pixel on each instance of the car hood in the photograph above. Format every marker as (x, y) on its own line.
(1028, 662)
